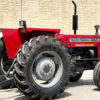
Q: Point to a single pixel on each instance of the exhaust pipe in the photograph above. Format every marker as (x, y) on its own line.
(97, 29)
(75, 18)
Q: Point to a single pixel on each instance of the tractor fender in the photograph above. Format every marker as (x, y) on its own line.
(14, 38)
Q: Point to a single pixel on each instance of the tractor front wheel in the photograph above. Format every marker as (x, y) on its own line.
(96, 75)
(41, 68)
(75, 77)
(76, 70)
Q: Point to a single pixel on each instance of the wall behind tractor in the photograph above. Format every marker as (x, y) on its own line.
(50, 14)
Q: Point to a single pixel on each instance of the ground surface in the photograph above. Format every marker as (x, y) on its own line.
(84, 89)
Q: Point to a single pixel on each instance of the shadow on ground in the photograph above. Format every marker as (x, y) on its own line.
(82, 82)
(66, 94)
(63, 95)
(96, 89)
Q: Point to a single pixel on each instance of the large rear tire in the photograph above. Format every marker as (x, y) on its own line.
(5, 64)
(41, 68)
(96, 75)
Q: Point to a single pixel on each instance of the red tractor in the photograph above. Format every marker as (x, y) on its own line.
(40, 62)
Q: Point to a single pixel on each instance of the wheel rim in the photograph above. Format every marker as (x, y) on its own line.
(45, 68)
(5, 63)
(48, 69)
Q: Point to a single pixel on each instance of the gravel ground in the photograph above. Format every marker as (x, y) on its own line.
(84, 89)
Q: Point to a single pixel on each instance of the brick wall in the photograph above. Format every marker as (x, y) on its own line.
(51, 14)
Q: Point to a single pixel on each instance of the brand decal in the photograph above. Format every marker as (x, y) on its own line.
(84, 40)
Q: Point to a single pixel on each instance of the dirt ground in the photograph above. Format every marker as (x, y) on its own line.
(84, 89)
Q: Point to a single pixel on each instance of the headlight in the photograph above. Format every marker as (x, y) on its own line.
(1, 34)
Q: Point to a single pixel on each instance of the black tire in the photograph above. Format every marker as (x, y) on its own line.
(23, 68)
(76, 77)
(76, 72)
(5, 64)
(96, 75)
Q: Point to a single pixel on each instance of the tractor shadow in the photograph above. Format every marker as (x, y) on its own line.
(96, 89)
(81, 82)
(63, 95)
(19, 96)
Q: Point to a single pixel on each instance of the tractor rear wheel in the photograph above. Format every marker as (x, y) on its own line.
(96, 75)
(5, 64)
(41, 68)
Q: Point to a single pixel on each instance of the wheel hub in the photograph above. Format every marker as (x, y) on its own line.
(45, 68)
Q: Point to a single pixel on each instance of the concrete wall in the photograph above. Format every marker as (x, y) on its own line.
(50, 14)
